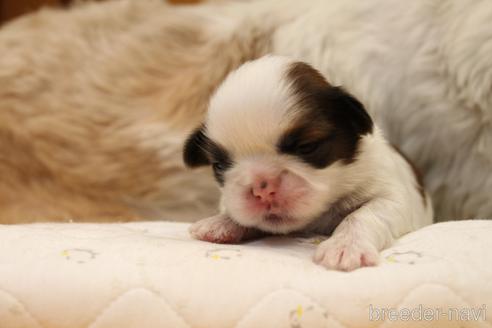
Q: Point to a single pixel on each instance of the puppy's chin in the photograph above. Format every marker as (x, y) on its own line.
(281, 224)
(277, 223)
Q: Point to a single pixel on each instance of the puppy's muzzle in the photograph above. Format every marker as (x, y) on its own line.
(265, 190)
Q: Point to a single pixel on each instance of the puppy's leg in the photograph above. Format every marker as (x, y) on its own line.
(221, 229)
(356, 242)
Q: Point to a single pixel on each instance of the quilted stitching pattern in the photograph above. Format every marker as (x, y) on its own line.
(152, 275)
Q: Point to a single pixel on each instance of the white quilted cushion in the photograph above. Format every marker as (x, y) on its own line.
(153, 275)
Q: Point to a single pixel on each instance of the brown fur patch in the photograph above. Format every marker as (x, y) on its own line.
(306, 79)
(330, 121)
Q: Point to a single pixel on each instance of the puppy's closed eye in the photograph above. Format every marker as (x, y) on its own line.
(219, 167)
(312, 147)
(308, 148)
(199, 150)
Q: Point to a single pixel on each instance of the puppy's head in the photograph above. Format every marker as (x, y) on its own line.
(279, 139)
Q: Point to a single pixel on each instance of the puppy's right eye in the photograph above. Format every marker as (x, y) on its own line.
(218, 166)
(219, 169)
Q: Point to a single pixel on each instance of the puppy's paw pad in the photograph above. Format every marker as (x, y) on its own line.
(217, 229)
(345, 255)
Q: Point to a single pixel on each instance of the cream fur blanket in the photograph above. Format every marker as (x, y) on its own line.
(95, 102)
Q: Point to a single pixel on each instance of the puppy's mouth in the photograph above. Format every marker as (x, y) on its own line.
(273, 218)
(277, 220)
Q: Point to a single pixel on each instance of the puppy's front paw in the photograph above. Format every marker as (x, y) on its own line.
(346, 254)
(218, 229)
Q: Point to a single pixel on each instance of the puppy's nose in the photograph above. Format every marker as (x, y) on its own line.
(265, 189)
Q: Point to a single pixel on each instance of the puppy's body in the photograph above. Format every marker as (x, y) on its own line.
(95, 102)
(293, 153)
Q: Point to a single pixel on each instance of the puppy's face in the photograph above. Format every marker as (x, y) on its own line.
(280, 140)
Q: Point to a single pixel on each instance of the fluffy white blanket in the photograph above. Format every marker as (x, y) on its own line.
(153, 275)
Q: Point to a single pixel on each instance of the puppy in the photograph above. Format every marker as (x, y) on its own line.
(293, 153)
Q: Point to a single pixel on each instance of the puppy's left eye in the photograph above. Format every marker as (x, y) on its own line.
(307, 148)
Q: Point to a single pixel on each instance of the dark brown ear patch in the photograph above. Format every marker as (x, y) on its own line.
(330, 124)
(195, 149)
(199, 150)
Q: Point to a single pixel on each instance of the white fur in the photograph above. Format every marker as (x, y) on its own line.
(248, 115)
(250, 99)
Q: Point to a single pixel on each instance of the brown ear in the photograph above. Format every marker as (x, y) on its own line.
(353, 110)
(340, 106)
(195, 149)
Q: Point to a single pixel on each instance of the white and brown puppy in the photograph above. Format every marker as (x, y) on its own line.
(293, 153)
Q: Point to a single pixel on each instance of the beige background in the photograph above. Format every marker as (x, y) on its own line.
(12, 8)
